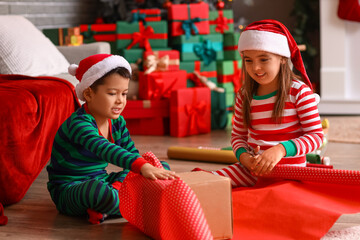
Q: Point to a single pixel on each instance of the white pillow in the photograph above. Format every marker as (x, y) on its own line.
(25, 50)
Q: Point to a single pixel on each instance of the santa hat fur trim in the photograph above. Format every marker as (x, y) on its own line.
(93, 68)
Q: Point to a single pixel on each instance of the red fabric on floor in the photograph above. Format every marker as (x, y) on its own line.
(291, 209)
(3, 218)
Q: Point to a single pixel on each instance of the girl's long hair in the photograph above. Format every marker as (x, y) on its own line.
(250, 86)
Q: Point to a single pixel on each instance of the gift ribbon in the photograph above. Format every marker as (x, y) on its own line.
(222, 23)
(142, 37)
(138, 17)
(230, 48)
(234, 78)
(155, 63)
(205, 51)
(157, 88)
(89, 31)
(195, 112)
(189, 24)
(197, 68)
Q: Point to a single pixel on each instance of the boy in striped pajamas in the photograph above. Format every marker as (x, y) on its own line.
(276, 116)
(91, 138)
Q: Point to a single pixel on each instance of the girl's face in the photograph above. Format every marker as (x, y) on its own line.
(109, 99)
(263, 67)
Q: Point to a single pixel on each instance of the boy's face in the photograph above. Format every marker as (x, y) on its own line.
(109, 99)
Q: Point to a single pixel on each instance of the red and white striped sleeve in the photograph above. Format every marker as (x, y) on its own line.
(309, 117)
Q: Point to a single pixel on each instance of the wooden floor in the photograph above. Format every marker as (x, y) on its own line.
(35, 217)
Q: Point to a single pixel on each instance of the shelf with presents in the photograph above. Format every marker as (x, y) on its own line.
(186, 67)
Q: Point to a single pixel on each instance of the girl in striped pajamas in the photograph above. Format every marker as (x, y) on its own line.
(91, 138)
(276, 116)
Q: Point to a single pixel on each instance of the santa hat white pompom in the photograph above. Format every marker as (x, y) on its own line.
(72, 69)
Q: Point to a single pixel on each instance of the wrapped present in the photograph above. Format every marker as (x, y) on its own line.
(219, 114)
(208, 71)
(159, 85)
(214, 195)
(229, 93)
(190, 112)
(189, 19)
(56, 35)
(231, 46)
(100, 33)
(160, 61)
(206, 48)
(145, 117)
(145, 15)
(229, 71)
(137, 35)
(221, 21)
(133, 55)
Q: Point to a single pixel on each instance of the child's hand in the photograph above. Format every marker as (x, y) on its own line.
(151, 172)
(265, 162)
(247, 160)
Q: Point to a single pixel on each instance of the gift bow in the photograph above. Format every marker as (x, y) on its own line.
(188, 25)
(205, 51)
(137, 17)
(196, 111)
(142, 37)
(157, 88)
(153, 63)
(221, 23)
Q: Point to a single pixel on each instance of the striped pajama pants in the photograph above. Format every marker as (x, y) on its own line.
(98, 194)
(239, 175)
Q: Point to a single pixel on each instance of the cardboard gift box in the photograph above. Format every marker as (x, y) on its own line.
(221, 21)
(100, 33)
(189, 19)
(137, 35)
(161, 60)
(159, 85)
(219, 114)
(206, 48)
(215, 197)
(145, 117)
(145, 15)
(208, 71)
(135, 54)
(229, 72)
(231, 46)
(190, 112)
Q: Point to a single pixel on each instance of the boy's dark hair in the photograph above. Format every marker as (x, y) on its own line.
(123, 72)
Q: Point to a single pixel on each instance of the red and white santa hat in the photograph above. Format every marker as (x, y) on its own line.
(93, 68)
(272, 36)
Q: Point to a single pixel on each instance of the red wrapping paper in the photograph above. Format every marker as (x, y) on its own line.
(190, 112)
(178, 13)
(162, 60)
(162, 209)
(159, 85)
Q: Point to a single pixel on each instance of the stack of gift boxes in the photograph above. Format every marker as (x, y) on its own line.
(189, 70)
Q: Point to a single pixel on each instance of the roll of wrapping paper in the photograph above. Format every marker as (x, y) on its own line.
(320, 175)
(202, 154)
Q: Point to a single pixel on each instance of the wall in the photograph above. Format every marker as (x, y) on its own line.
(52, 13)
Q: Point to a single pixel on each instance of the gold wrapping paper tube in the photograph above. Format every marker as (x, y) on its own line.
(198, 154)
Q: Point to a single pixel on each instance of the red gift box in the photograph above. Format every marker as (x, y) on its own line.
(190, 112)
(146, 15)
(145, 117)
(162, 60)
(189, 19)
(99, 32)
(158, 85)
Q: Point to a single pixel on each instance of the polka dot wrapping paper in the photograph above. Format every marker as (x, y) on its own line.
(313, 174)
(162, 209)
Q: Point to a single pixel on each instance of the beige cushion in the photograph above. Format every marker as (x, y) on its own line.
(24, 49)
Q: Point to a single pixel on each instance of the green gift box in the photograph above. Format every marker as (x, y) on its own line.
(136, 35)
(56, 35)
(229, 71)
(219, 114)
(105, 32)
(231, 46)
(206, 48)
(221, 21)
(208, 71)
(229, 92)
(230, 115)
(132, 55)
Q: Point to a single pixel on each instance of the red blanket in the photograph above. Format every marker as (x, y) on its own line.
(32, 109)
(291, 209)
